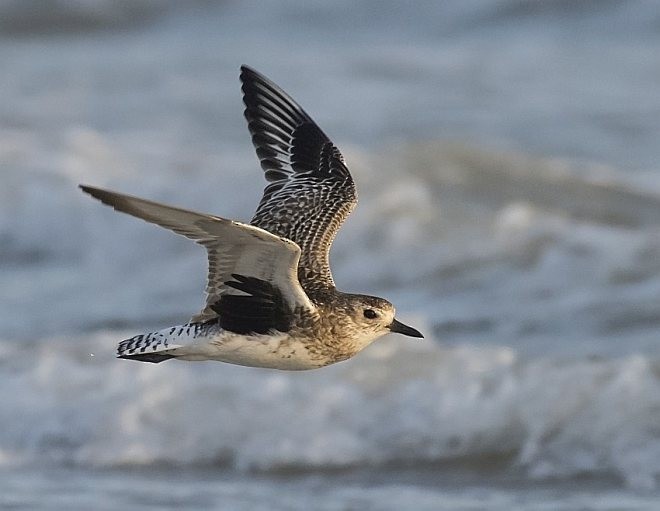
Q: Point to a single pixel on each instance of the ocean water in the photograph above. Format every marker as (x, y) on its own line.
(506, 156)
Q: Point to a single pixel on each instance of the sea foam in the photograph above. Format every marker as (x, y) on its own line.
(401, 402)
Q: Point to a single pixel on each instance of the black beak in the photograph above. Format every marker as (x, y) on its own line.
(400, 328)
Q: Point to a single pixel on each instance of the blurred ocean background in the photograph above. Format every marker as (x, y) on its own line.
(507, 157)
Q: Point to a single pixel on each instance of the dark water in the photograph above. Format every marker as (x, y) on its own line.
(70, 489)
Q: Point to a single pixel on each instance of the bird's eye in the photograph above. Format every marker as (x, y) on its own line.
(370, 314)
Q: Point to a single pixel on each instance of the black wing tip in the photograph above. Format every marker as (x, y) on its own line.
(247, 71)
(105, 196)
(249, 76)
(97, 193)
(87, 188)
(253, 81)
(93, 190)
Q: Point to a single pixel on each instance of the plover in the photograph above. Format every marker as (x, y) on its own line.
(271, 299)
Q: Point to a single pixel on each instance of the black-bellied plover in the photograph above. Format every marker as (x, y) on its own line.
(271, 300)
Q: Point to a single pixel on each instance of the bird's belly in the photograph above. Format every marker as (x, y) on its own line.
(275, 352)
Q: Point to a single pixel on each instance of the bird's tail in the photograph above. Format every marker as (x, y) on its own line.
(153, 347)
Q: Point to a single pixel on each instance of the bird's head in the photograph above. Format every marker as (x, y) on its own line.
(375, 317)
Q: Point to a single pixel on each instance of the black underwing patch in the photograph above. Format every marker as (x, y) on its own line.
(260, 311)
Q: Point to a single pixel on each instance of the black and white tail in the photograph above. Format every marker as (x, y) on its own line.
(159, 346)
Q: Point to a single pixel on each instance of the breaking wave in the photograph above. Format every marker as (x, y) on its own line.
(401, 402)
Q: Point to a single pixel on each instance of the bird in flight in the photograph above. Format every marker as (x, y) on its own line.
(270, 297)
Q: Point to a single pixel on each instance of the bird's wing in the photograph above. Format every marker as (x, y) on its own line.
(235, 250)
(310, 191)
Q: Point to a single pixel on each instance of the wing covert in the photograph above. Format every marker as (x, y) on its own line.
(233, 248)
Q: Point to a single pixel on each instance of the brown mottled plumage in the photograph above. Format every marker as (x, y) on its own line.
(271, 299)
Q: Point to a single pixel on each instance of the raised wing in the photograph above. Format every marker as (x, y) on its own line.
(234, 250)
(310, 191)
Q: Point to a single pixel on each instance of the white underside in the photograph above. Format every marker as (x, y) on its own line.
(272, 351)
